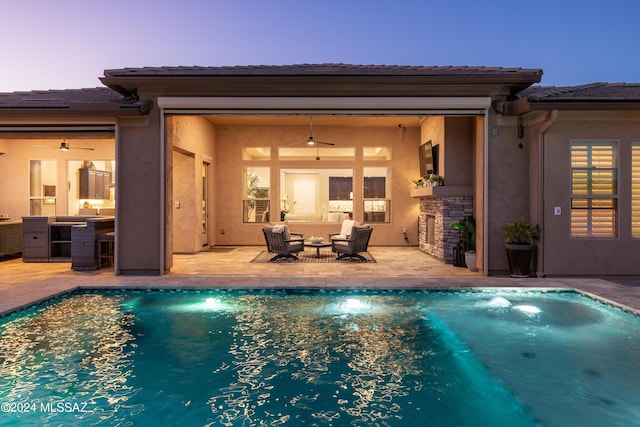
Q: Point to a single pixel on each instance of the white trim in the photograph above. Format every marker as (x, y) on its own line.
(324, 103)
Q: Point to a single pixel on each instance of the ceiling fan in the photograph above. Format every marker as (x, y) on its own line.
(64, 146)
(310, 140)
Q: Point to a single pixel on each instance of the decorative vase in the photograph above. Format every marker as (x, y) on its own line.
(470, 259)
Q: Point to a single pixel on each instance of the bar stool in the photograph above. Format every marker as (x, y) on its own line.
(105, 249)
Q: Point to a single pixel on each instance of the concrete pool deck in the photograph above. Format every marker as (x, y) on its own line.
(22, 284)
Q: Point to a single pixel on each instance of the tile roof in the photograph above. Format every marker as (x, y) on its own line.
(594, 92)
(317, 69)
(59, 98)
(99, 100)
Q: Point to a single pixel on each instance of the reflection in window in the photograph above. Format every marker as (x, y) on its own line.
(316, 194)
(42, 187)
(255, 203)
(376, 204)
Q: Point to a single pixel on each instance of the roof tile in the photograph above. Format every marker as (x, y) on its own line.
(312, 69)
(589, 92)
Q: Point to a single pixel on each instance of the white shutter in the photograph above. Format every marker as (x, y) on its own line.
(635, 189)
(594, 189)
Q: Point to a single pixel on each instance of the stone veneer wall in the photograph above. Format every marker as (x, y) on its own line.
(445, 210)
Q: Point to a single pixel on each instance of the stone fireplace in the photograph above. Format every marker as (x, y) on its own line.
(439, 207)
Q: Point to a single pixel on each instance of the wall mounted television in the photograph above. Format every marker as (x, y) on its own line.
(425, 152)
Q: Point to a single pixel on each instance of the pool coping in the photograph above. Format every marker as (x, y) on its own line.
(22, 297)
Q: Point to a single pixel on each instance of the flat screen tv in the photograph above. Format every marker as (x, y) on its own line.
(426, 159)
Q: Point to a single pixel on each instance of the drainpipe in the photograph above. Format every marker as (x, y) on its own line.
(546, 124)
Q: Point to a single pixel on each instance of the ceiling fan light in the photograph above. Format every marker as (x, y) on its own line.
(64, 146)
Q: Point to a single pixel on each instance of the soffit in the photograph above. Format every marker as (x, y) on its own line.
(322, 80)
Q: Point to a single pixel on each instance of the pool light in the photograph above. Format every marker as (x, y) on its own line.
(213, 303)
(529, 310)
(354, 305)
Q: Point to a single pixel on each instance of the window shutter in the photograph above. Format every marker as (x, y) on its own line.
(635, 190)
(594, 189)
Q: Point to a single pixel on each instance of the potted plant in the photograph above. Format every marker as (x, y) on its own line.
(418, 182)
(436, 180)
(520, 238)
(467, 229)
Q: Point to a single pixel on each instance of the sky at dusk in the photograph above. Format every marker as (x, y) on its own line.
(65, 44)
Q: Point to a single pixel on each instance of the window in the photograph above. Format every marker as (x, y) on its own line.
(635, 189)
(316, 153)
(316, 194)
(255, 203)
(594, 189)
(376, 153)
(42, 195)
(256, 153)
(376, 204)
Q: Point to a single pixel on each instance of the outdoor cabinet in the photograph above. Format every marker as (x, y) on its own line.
(94, 184)
(35, 232)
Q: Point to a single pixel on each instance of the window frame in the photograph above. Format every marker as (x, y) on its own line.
(634, 228)
(370, 205)
(591, 197)
(249, 202)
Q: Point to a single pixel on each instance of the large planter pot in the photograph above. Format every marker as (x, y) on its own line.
(519, 257)
(470, 259)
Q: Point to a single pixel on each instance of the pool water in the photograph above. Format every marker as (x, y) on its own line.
(335, 358)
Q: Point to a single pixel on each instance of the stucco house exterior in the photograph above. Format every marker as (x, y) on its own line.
(203, 156)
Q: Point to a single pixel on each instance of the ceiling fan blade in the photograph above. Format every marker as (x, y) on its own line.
(310, 140)
(81, 148)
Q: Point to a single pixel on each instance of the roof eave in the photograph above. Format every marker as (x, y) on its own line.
(140, 108)
(585, 105)
(130, 85)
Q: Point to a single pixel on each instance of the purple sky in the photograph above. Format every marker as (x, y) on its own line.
(63, 44)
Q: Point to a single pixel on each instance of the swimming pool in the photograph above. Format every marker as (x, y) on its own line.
(332, 358)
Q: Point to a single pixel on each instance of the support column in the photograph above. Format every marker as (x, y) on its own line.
(140, 207)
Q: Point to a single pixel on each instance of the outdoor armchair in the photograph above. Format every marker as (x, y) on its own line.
(357, 242)
(283, 243)
(345, 230)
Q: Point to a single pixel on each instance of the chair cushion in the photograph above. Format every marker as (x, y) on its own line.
(345, 230)
(296, 247)
(341, 247)
(278, 228)
(282, 228)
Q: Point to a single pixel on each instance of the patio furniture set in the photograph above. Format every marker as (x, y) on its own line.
(349, 243)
